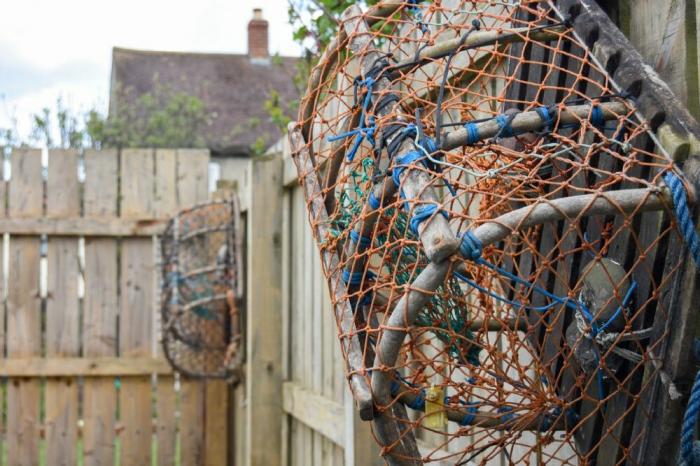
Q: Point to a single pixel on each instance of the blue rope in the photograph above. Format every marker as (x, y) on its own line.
(689, 446)
(508, 416)
(506, 130)
(471, 246)
(472, 133)
(421, 214)
(685, 222)
(470, 415)
(374, 203)
(546, 118)
(402, 163)
(362, 241)
(597, 118)
(367, 126)
(356, 278)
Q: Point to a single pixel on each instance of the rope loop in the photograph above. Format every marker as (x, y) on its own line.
(470, 416)
(597, 118)
(504, 123)
(472, 133)
(362, 241)
(402, 162)
(356, 278)
(421, 214)
(546, 117)
(374, 203)
(471, 246)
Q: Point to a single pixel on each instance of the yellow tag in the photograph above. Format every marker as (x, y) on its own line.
(435, 417)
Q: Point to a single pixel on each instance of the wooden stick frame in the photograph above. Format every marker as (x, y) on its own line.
(403, 314)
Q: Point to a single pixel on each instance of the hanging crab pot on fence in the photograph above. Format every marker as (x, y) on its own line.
(491, 204)
(201, 289)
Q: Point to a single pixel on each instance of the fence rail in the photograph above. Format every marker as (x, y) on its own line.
(84, 380)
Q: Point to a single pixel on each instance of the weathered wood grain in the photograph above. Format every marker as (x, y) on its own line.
(100, 309)
(25, 199)
(136, 304)
(62, 309)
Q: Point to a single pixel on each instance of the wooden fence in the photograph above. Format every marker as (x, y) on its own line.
(84, 381)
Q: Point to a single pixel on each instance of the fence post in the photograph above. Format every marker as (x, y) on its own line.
(264, 330)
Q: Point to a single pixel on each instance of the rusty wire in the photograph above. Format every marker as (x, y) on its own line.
(201, 288)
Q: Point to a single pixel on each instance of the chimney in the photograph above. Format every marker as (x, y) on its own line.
(257, 38)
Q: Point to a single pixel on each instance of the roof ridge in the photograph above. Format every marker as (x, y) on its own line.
(117, 49)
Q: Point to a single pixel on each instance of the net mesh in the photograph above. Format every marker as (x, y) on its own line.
(201, 289)
(493, 228)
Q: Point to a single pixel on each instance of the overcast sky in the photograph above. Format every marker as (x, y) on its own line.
(52, 48)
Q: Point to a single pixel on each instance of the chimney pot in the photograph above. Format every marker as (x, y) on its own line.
(258, 38)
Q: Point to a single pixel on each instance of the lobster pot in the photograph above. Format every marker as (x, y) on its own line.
(201, 285)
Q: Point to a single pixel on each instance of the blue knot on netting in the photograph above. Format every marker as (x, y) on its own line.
(689, 446)
(402, 163)
(472, 133)
(362, 241)
(597, 118)
(356, 278)
(418, 402)
(471, 246)
(374, 203)
(507, 414)
(470, 415)
(685, 222)
(428, 144)
(504, 125)
(367, 126)
(549, 418)
(421, 214)
(546, 117)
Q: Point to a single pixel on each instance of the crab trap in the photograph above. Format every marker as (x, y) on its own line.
(495, 192)
(201, 289)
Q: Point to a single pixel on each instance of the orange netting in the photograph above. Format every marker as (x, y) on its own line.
(493, 226)
(201, 288)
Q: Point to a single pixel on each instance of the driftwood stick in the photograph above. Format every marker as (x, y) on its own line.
(401, 318)
(480, 39)
(435, 234)
(487, 420)
(344, 314)
(625, 201)
(531, 121)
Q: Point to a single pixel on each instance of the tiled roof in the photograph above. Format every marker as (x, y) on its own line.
(232, 87)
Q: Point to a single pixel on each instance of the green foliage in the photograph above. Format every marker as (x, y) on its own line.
(164, 118)
(316, 21)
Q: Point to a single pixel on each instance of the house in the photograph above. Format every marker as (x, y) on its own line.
(232, 87)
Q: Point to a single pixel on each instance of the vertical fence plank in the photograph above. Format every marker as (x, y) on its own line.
(24, 309)
(3, 304)
(62, 309)
(264, 368)
(100, 308)
(164, 205)
(215, 423)
(192, 188)
(191, 423)
(135, 318)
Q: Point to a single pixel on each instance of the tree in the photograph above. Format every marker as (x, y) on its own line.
(164, 118)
